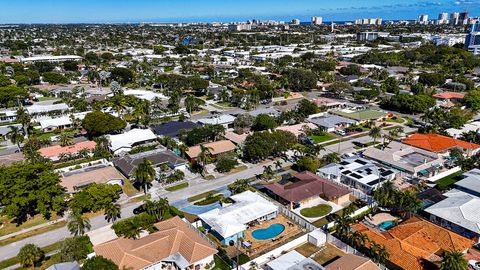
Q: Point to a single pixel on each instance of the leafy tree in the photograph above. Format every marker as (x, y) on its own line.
(99, 262)
(10, 95)
(308, 163)
(91, 57)
(54, 78)
(391, 85)
(70, 65)
(306, 107)
(4, 81)
(98, 123)
(408, 103)
(242, 122)
(264, 122)
(131, 227)
(29, 189)
(75, 248)
(144, 174)
(261, 145)
(95, 197)
(159, 49)
(122, 75)
(77, 224)
(226, 162)
(301, 80)
(29, 255)
(454, 260)
(112, 212)
(431, 79)
(472, 100)
(202, 134)
(339, 88)
(181, 49)
(350, 70)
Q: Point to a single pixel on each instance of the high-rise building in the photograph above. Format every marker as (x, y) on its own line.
(442, 18)
(423, 19)
(463, 18)
(472, 41)
(367, 36)
(371, 21)
(295, 22)
(317, 20)
(454, 16)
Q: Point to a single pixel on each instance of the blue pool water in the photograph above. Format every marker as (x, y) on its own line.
(387, 224)
(268, 233)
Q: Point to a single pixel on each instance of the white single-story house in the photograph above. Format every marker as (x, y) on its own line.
(293, 260)
(226, 120)
(229, 222)
(126, 141)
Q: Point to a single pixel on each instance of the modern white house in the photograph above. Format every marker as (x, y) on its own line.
(229, 222)
(293, 260)
(226, 120)
(126, 141)
(144, 94)
(37, 108)
(51, 58)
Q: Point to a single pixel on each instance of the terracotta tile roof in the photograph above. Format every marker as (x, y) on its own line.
(306, 186)
(99, 175)
(174, 237)
(297, 129)
(415, 241)
(57, 150)
(216, 148)
(449, 95)
(437, 143)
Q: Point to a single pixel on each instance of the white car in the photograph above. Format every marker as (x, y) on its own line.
(474, 264)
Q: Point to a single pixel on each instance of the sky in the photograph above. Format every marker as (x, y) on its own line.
(131, 11)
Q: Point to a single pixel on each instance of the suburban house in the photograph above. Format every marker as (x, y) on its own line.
(55, 152)
(458, 212)
(129, 162)
(448, 99)
(39, 108)
(229, 222)
(352, 262)
(415, 244)
(214, 148)
(75, 180)
(172, 128)
(237, 139)
(440, 144)
(470, 182)
(359, 173)
(361, 115)
(298, 129)
(65, 266)
(407, 159)
(293, 261)
(329, 103)
(176, 245)
(307, 186)
(226, 120)
(331, 123)
(457, 132)
(48, 124)
(128, 140)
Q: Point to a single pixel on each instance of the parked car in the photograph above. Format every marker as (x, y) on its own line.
(340, 132)
(474, 264)
(138, 210)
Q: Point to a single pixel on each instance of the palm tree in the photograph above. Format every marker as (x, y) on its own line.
(343, 221)
(239, 186)
(25, 119)
(204, 157)
(375, 132)
(66, 139)
(30, 255)
(453, 260)
(278, 164)
(77, 224)
(156, 208)
(144, 174)
(116, 88)
(112, 212)
(268, 172)
(331, 158)
(378, 253)
(16, 136)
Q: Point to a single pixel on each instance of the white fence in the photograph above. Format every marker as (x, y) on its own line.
(444, 174)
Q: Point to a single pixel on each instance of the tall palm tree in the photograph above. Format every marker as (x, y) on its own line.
(343, 221)
(375, 132)
(268, 171)
(112, 212)
(16, 136)
(66, 139)
(156, 209)
(204, 157)
(331, 158)
(24, 118)
(239, 186)
(77, 224)
(454, 260)
(30, 255)
(144, 174)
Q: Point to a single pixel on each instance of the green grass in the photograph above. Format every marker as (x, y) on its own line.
(210, 200)
(12, 261)
(202, 195)
(32, 233)
(332, 142)
(316, 211)
(177, 187)
(447, 181)
(220, 264)
(129, 189)
(390, 128)
(322, 138)
(10, 227)
(396, 120)
(47, 98)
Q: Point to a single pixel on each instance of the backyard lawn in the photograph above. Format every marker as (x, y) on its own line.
(447, 181)
(322, 138)
(316, 211)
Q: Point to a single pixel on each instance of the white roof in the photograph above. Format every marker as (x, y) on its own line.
(231, 219)
(144, 94)
(286, 261)
(217, 120)
(46, 122)
(129, 138)
(52, 58)
(471, 182)
(459, 208)
(455, 133)
(35, 108)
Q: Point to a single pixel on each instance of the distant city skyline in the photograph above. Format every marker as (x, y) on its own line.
(124, 11)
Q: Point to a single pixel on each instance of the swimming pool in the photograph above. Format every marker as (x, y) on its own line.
(387, 224)
(268, 233)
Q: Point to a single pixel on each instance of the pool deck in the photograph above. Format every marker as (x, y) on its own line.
(260, 245)
(381, 217)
